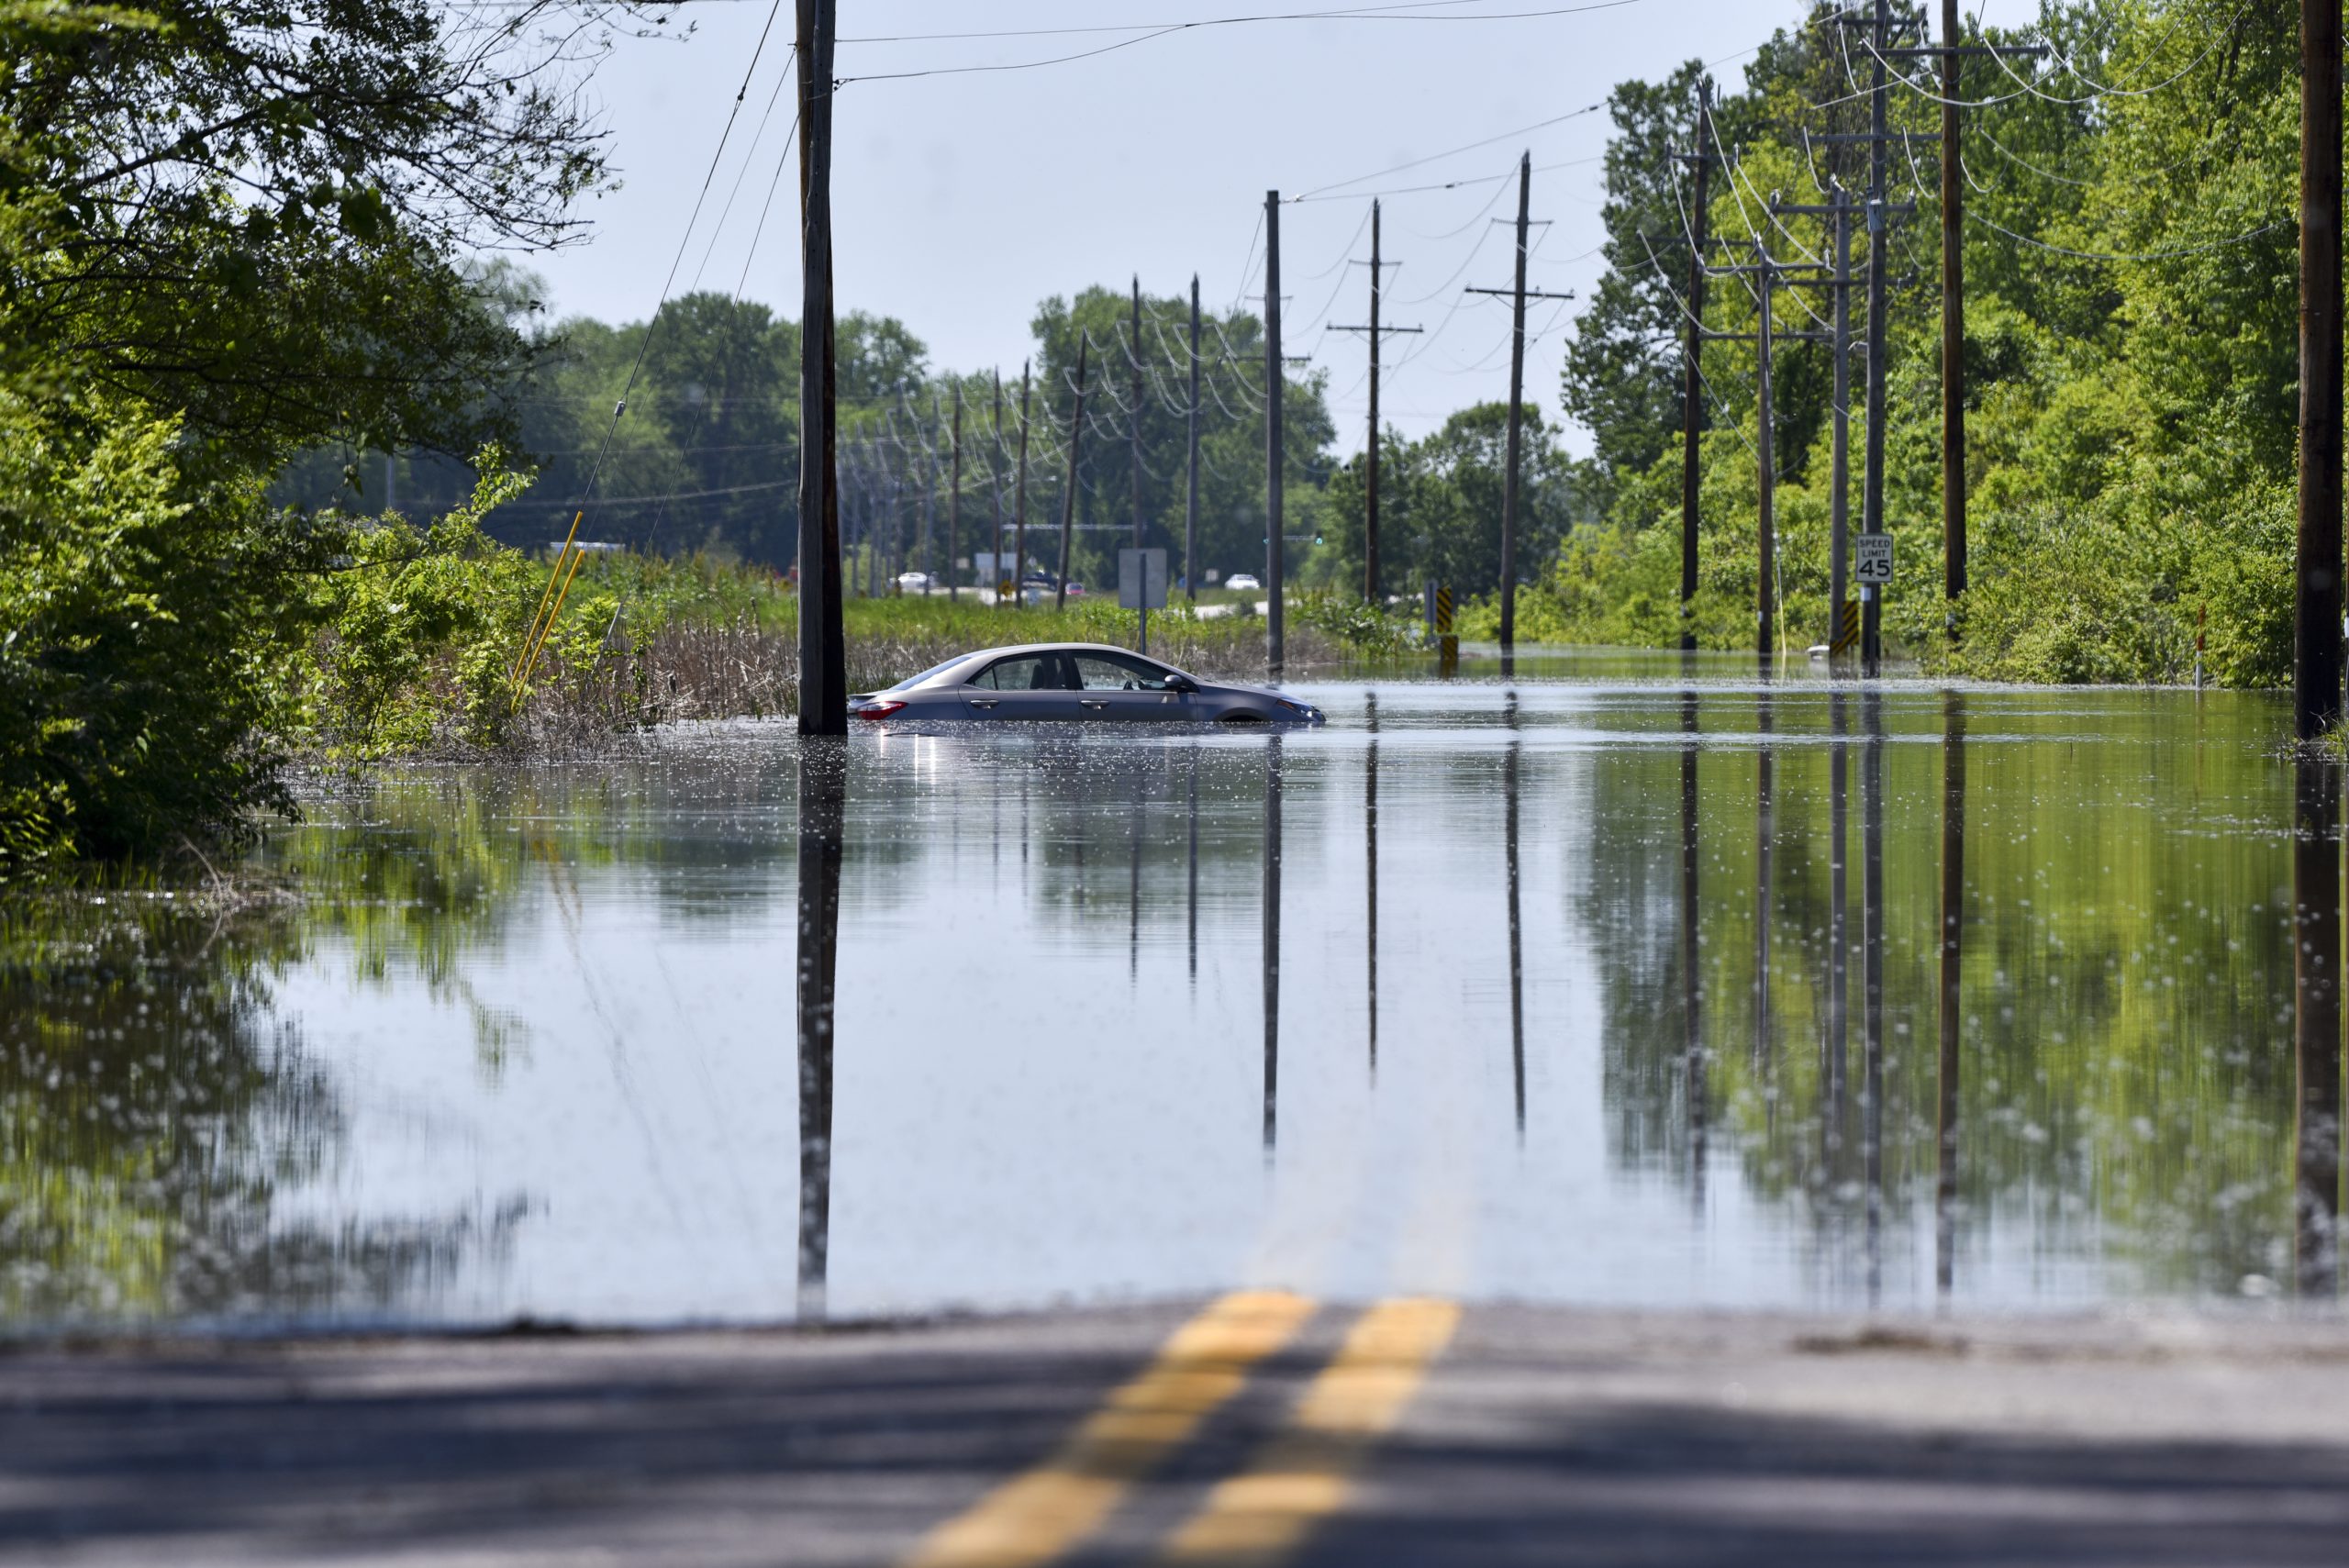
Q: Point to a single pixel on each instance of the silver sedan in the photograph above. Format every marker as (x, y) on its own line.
(1058, 681)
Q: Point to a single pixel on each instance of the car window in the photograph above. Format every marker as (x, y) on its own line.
(1023, 672)
(912, 680)
(1108, 672)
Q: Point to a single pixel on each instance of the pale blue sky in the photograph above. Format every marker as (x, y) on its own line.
(955, 195)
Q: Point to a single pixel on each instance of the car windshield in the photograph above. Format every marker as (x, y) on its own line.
(912, 680)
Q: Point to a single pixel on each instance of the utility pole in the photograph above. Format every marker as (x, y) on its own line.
(1765, 460)
(994, 493)
(1370, 454)
(1879, 227)
(1511, 482)
(1770, 273)
(1019, 500)
(2315, 621)
(1133, 353)
(823, 657)
(954, 503)
(1839, 571)
(1191, 485)
(1692, 390)
(1952, 332)
(1068, 493)
(1275, 388)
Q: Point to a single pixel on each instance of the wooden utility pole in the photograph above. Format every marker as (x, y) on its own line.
(1880, 281)
(1370, 454)
(1692, 387)
(1019, 500)
(1512, 481)
(1191, 483)
(1952, 330)
(994, 494)
(1839, 572)
(1766, 461)
(2315, 621)
(1068, 493)
(1133, 334)
(1275, 388)
(955, 502)
(823, 656)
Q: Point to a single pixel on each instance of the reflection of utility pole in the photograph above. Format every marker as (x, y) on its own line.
(823, 657)
(2316, 1025)
(822, 802)
(1871, 970)
(1510, 762)
(1512, 481)
(1952, 919)
(1272, 933)
(1370, 861)
(1692, 1041)
(1370, 454)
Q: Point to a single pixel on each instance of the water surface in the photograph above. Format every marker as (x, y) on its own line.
(1558, 989)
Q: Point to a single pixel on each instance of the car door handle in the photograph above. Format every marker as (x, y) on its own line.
(1093, 702)
(984, 701)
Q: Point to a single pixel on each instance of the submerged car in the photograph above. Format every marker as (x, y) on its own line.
(1066, 681)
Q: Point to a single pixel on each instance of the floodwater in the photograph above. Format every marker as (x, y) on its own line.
(1622, 987)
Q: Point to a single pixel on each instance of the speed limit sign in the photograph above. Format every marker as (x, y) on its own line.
(1875, 559)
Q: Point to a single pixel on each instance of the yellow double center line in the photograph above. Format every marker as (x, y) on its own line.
(1297, 1478)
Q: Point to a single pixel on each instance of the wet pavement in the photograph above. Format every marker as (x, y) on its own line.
(1553, 991)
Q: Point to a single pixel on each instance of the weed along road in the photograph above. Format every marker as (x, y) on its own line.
(1632, 1114)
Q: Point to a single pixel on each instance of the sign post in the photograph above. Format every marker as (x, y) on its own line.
(1142, 585)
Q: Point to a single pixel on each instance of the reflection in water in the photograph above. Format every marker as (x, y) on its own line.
(1370, 862)
(2317, 1014)
(1839, 936)
(1191, 898)
(1272, 928)
(1953, 978)
(1692, 1039)
(1509, 767)
(1872, 762)
(306, 1119)
(823, 792)
(1765, 824)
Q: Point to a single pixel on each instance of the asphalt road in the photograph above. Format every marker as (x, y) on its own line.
(1251, 1430)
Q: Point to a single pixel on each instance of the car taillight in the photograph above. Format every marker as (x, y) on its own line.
(880, 709)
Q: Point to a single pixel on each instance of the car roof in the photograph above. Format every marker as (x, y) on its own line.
(1014, 650)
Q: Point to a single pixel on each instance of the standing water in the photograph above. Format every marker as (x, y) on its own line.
(1619, 990)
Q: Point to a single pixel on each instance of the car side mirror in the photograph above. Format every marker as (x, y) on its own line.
(1179, 681)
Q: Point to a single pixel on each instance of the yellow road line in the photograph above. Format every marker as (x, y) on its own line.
(1034, 1518)
(1300, 1475)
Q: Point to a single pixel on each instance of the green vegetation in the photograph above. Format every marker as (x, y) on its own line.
(2130, 444)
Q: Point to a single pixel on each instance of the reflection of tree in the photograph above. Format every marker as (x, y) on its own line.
(2124, 1009)
(152, 1114)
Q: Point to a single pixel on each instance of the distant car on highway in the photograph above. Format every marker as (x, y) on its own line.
(915, 582)
(1076, 590)
(1244, 582)
(1073, 681)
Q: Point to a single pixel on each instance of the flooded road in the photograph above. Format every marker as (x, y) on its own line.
(1608, 991)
